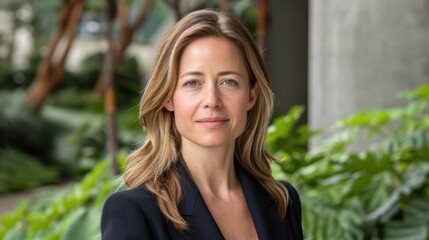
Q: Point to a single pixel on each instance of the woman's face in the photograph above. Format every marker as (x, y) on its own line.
(213, 94)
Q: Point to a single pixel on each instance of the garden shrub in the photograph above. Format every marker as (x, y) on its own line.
(72, 212)
(378, 192)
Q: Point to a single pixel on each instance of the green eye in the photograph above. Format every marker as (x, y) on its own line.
(191, 83)
(231, 82)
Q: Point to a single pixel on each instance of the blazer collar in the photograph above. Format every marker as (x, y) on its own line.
(190, 191)
(258, 201)
(194, 210)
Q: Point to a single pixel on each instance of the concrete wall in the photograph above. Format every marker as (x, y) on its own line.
(362, 52)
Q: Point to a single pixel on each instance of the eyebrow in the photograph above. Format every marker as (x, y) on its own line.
(223, 73)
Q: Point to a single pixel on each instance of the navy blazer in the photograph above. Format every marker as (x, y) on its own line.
(134, 214)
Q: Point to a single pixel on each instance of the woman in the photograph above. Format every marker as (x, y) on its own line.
(204, 169)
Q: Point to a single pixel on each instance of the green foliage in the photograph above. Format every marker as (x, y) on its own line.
(247, 11)
(380, 191)
(6, 74)
(70, 213)
(80, 147)
(77, 99)
(325, 221)
(288, 142)
(22, 130)
(126, 77)
(20, 171)
(13, 78)
(70, 132)
(72, 140)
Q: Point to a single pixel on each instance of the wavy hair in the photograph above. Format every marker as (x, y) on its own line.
(152, 165)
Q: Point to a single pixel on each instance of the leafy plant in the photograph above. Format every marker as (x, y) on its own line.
(69, 213)
(126, 75)
(20, 171)
(83, 144)
(21, 130)
(378, 192)
(68, 139)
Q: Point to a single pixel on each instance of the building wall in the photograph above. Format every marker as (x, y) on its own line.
(362, 52)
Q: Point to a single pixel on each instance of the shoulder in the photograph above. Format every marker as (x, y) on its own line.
(139, 196)
(130, 214)
(130, 203)
(293, 193)
(293, 212)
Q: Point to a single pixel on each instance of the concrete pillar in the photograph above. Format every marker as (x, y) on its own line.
(362, 52)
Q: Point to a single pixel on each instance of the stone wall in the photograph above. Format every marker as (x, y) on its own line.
(362, 52)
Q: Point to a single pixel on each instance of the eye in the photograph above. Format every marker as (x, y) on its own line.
(191, 83)
(230, 82)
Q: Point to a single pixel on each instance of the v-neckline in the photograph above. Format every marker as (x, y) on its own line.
(193, 199)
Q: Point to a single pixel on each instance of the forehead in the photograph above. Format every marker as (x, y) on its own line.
(212, 51)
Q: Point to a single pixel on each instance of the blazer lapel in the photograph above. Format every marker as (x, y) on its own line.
(260, 204)
(194, 211)
(201, 223)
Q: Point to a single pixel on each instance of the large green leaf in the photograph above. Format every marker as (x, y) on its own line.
(85, 224)
(324, 221)
(412, 230)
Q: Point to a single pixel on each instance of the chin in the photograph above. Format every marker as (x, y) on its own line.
(213, 143)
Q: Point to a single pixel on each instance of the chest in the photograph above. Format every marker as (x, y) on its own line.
(232, 217)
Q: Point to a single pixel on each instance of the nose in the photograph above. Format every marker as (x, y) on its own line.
(212, 97)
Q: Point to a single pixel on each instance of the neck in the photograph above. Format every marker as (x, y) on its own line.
(212, 169)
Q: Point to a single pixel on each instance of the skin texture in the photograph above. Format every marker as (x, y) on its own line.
(213, 95)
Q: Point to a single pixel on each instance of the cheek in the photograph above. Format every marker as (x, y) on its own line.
(179, 121)
(240, 109)
(182, 112)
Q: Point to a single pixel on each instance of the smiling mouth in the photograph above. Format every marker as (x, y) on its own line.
(212, 122)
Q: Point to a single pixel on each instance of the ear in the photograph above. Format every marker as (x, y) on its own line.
(169, 105)
(254, 93)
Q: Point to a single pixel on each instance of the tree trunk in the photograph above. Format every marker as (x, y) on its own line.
(110, 94)
(262, 24)
(127, 34)
(51, 68)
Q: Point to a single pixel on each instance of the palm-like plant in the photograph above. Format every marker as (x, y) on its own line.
(378, 192)
(69, 213)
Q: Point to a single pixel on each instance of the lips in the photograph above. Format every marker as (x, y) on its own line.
(212, 122)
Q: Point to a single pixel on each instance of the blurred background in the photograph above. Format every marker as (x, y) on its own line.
(350, 128)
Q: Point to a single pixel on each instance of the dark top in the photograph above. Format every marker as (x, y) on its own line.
(134, 213)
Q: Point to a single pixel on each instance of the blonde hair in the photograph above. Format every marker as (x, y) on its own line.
(153, 163)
